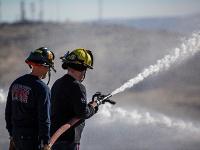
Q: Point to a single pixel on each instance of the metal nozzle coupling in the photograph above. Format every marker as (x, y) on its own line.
(101, 99)
(107, 96)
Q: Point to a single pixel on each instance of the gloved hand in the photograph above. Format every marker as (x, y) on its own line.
(94, 105)
(46, 147)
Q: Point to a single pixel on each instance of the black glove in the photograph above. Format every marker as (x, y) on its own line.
(96, 108)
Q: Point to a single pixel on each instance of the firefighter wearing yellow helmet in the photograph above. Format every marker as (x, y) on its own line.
(69, 98)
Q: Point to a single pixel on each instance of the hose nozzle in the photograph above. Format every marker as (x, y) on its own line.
(101, 99)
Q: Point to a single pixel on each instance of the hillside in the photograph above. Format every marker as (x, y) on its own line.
(184, 24)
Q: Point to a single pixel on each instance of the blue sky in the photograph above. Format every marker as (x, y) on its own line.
(83, 10)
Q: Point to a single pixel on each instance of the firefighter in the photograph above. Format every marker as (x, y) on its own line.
(27, 112)
(69, 99)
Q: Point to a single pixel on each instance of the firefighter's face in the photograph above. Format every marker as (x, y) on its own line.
(78, 75)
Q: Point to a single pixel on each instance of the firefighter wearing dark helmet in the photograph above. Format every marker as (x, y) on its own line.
(27, 111)
(69, 99)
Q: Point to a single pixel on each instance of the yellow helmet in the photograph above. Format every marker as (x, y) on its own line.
(79, 59)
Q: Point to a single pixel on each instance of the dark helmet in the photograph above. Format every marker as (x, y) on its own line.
(79, 59)
(41, 56)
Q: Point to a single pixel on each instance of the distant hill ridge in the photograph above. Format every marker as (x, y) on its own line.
(181, 24)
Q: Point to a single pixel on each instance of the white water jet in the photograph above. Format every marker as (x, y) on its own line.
(187, 49)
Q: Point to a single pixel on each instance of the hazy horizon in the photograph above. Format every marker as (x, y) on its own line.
(87, 10)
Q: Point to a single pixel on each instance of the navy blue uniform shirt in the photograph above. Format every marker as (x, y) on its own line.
(27, 110)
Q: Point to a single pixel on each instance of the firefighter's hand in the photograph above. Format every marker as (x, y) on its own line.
(46, 147)
(94, 105)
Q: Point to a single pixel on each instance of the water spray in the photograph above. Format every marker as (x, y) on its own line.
(108, 114)
(188, 48)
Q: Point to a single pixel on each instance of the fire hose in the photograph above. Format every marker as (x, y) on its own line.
(98, 98)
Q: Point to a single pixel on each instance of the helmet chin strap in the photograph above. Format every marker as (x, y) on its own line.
(49, 75)
(83, 76)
